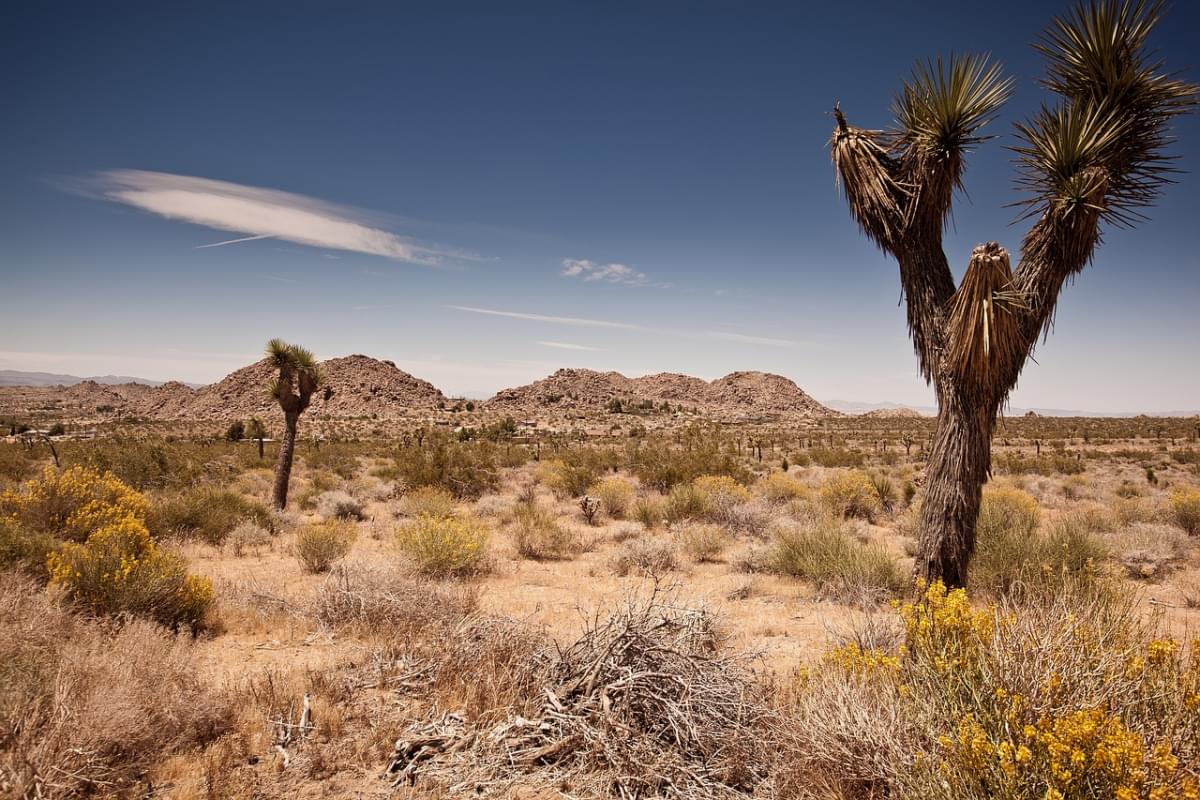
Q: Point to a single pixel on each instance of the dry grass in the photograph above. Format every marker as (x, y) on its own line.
(87, 707)
(648, 557)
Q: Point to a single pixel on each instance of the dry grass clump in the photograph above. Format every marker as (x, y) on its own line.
(616, 495)
(686, 501)
(647, 703)
(648, 557)
(851, 493)
(820, 551)
(87, 707)
(651, 510)
(319, 544)
(702, 542)
(538, 535)
(380, 600)
(1069, 698)
(453, 546)
(206, 513)
(248, 536)
(1185, 505)
(427, 500)
(337, 504)
(1148, 551)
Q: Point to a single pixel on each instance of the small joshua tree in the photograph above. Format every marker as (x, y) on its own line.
(299, 377)
(1092, 158)
(256, 430)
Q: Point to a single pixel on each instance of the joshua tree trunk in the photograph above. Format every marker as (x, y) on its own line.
(260, 448)
(283, 469)
(958, 468)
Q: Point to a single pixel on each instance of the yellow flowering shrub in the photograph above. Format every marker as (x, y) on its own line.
(851, 493)
(445, 546)
(720, 494)
(1185, 505)
(616, 495)
(72, 503)
(1073, 700)
(119, 569)
(1006, 511)
(780, 487)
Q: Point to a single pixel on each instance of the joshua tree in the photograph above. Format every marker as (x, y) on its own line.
(1094, 157)
(298, 378)
(256, 430)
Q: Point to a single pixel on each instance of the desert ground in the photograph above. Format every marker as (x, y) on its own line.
(582, 605)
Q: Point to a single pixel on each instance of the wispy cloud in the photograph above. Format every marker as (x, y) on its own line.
(260, 214)
(583, 323)
(745, 339)
(627, 326)
(569, 346)
(591, 272)
(236, 241)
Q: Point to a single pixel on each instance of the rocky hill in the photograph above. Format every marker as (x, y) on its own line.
(355, 386)
(739, 395)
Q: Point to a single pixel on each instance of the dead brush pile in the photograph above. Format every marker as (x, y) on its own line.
(647, 703)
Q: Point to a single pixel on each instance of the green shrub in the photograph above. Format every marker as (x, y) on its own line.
(465, 469)
(572, 474)
(445, 546)
(835, 457)
(819, 551)
(662, 464)
(320, 544)
(151, 463)
(1017, 560)
(25, 550)
(206, 513)
(537, 534)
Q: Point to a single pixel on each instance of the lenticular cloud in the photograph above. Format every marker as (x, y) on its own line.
(257, 213)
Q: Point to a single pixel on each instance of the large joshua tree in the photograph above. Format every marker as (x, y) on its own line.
(1093, 157)
(299, 376)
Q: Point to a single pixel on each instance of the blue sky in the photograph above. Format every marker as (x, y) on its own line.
(485, 192)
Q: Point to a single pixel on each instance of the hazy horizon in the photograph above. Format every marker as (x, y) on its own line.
(485, 197)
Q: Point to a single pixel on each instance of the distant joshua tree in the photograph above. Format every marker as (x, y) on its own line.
(1093, 158)
(299, 377)
(256, 430)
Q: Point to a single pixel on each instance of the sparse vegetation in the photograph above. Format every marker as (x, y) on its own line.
(455, 546)
(320, 545)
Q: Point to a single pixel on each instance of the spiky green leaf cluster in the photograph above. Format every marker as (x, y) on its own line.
(944, 104)
(1103, 145)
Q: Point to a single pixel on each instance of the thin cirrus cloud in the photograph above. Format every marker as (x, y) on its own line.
(581, 322)
(591, 272)
(260, 213)
(569, 346)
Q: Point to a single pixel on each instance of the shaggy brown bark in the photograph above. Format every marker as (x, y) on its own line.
(283, 467)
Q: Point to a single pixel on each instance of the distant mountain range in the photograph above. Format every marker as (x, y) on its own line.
(16, 377)
(687, 389)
